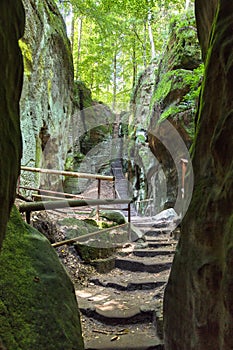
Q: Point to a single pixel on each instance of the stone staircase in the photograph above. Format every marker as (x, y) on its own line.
(122, 308)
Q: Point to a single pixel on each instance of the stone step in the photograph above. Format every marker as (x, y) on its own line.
(153, 252)
(150, 266)
(135, 341)
(118, 312)
(139, 284)
(160, 245)
(112, 307)
(151, 231)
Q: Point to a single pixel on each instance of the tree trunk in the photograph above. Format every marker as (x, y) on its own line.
(72, 32)
(144, 45)
(80, 25)
(151, 38)
(134, 64)
(187, 3)
(114, 81)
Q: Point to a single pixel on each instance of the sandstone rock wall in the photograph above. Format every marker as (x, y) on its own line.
(167, 93)
(11, 29)
(205, 12)
(198, 305)
(46, 102)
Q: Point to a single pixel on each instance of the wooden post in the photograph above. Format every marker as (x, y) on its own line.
(184, 164)
(28, 217)
(114, 188)
(129, 213)
(98, 208)
(129, 219)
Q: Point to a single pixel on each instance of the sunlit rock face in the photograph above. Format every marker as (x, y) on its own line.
(167, 93)
(11, 29)
(46, 103)
(198, 304)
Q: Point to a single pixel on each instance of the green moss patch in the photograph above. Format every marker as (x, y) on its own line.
(38, 309)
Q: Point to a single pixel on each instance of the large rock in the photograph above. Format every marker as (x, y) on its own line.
(11, 29)
(38, 308)
(167, 93)
(198, 305)
(46, 102)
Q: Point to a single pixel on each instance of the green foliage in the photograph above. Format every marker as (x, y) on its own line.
(169, 112)
(113, 43)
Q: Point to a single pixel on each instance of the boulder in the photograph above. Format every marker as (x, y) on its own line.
(38, 308)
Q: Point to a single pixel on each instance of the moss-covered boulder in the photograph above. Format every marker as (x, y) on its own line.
(11, 75)
(76, 228)
(94, 249)
(113, 215)
(38, 308)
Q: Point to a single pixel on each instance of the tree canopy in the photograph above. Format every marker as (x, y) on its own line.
(113, 41)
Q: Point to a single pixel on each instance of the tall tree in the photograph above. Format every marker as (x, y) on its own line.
(114, 40)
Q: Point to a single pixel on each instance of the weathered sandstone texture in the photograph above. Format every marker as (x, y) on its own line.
(167, 94)
(46, 102)
(198, 305)
(11, 75)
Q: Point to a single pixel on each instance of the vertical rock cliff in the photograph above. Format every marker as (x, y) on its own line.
(198, 304)
(11, 75)
(166, 97)
(46, 103)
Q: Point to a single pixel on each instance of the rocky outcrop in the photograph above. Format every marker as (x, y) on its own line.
(46, 102)
(198, 299)
(11, 29)
(167, 99)
(90, 128)
(38, 308)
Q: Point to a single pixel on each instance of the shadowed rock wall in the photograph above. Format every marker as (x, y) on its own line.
(11, 29)
(198, 304)
(205, 12)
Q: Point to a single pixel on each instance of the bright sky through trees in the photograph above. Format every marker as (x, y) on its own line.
(113, 41)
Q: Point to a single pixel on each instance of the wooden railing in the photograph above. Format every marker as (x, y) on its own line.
(56, 201)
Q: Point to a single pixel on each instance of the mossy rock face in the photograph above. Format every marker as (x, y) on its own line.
(94, 249)
(104, 265)
(46, 102)
(183, 49)
(114, 216)
(38, 308)
(76, 228)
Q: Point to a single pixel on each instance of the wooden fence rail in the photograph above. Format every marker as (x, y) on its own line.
(49, 205)
(97, 177)
(69, 173)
